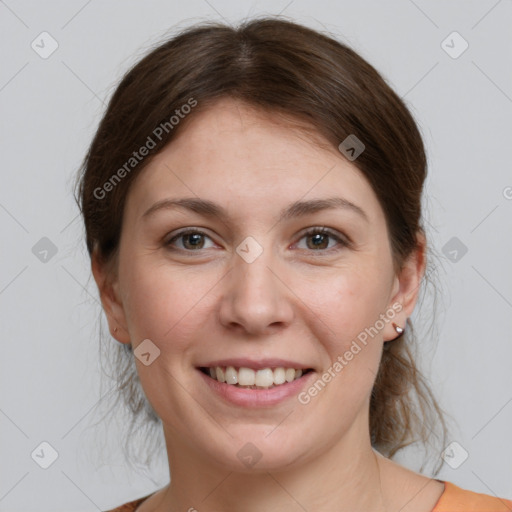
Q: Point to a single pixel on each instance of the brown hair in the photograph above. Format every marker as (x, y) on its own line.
(284, 68)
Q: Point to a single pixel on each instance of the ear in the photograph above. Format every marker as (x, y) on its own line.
(108, 288)
(406, 287)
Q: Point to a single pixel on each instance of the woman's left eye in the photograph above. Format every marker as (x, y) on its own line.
(193, 240)
(320, 239)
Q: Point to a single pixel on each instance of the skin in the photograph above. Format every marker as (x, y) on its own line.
(294, 301)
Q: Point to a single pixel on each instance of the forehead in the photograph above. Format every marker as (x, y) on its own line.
(236, 155)
(230, 128)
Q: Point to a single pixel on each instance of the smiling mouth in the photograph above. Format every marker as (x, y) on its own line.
(248, 378)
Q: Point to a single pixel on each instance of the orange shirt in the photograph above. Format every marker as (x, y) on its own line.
(453, 499)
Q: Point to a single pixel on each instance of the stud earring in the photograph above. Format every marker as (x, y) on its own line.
(399, 330)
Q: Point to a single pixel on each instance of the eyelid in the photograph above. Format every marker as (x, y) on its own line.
(342, 239)
(185, 231)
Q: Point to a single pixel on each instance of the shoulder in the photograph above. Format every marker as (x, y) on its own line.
(456, 499)
(130, 506)
(409, 491)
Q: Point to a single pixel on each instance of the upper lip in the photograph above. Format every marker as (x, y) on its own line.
(256, 364)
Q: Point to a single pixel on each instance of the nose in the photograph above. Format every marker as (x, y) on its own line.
(256, 299)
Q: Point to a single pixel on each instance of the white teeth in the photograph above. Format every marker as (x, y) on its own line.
(246, 377)
(279, 376)
(231, 375)
(289, 374)
(264, 378)
(220, 374)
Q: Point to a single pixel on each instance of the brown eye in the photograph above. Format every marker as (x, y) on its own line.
(318, 239)
(192, 240)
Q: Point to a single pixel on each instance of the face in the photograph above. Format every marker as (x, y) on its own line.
(251, 284)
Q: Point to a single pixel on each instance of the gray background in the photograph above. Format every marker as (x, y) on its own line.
(49, 310)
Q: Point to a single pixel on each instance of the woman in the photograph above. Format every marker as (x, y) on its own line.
(252, 205)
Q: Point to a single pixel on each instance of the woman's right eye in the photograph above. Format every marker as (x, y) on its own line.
(192, 240)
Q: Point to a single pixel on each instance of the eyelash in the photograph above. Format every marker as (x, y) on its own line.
(313, 231)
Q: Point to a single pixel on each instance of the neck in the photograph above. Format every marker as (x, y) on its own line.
(345, 477)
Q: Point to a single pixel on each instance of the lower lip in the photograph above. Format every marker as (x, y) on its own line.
(257, 397)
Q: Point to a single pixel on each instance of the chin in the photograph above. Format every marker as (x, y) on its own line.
(258, 449)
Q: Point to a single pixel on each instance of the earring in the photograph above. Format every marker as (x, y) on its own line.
(399, 330)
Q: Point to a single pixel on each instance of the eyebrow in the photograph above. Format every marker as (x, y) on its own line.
(297, 209)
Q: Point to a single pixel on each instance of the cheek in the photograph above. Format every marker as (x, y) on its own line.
(346, 301)
(162, 303)
(344, 308)
(362, 298)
